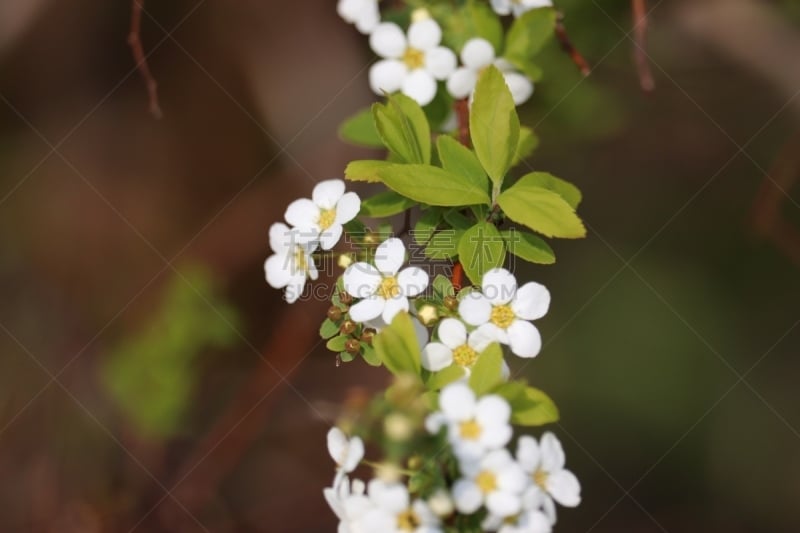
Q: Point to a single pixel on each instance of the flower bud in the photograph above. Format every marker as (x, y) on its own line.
(345, 260)
(441, 503)
(347, 327)
(367, 335)
(345, 298)
(334, 313)
(398, 427)
(388, 472)
(428, 315)
(352, 346)
(451, 302)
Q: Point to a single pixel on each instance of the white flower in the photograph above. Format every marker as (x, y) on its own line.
(383, 288)
(476, 55)
(454, 345)
(393, 511)
(518, 7)
(495, 480)
(474, 426)
(321, 218)
(363, 13)
(291, 263)
(411, 64)
(501, 311)
(349, 503)
(347, 453)
(528, 521)
(544, 463)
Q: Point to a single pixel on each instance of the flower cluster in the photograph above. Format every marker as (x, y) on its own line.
(414, 61)
(473, 479)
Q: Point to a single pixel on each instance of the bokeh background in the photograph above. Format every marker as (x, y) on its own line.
(151, 381)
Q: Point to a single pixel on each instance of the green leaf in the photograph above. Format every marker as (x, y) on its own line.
(528, 142)
(565, 189)
(457, 220)
(444, 244)
(481, 249)
(328, 329)
(360, 130)
(487, 372)
(397, 347)
(533, 408)
(385, 204)
(337, 344)
(475, 19)
(443, 287)
(528, 34)
(432, 185)
(460, 160)
(439, 380)
(369, 355)
(404, 129)
(494, 125)
(529, 247)
(365, 170)
(426, 225)
(541, 210)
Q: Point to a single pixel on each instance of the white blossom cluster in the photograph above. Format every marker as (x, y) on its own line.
(315, 223)
(414, 61)
(518, 492)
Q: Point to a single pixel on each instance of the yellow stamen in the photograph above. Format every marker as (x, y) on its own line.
(465, 356)
(300, 261)
(540, 478)
(502, 316)
(389, 288)
(408, 520)
(414, 58)
(326, 218)
(470, 430)
(486, 481)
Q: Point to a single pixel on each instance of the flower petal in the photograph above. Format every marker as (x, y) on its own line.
(348, 207)
(294, 289)
(457, 401)
(502, 7)
(388, 40)
(392, 307)
(361, 280)
(436, 356)
(281, 237)
(424, 34)
(503, 503)
(480, 339)
(329, 237)
(477, 54)
(355, 452)
(520, 86)
(387, 76)
(553, 458)
(490, 331)
(440, 62)
(337, 445)
(452, 333)
(278, 270)
(528, 454)
(367, 309)
(461, 83)
(412, 281)
(531, 301)
(475, 309)
(565, 488)
(524, 339)
(467, 496)
(423, 335)
(420, 85)
(492, 409)
(389, 256)
(499, 286)
(327, 193)
(302, 213)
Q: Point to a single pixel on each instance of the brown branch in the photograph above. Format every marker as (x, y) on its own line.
(766, 214)
(569, 48)
(135, 42)
(646, 81)
(461, 108)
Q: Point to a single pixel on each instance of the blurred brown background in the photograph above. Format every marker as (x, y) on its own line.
(151, 381)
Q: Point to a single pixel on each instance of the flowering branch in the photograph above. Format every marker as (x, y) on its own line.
(135, 42)
(569, 48)
(646, 81)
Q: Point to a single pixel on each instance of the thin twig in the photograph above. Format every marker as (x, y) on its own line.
(646, 81)
(569, 48)
(461, 108)
(135, 42)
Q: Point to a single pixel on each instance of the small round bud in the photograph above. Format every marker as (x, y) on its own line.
(451, 302)
(398, 427)
(415, 462)
(345, 260)
(371, 238)
(388, 472)
(420, 14)
(347, 327)
(334, 313)
(352, 346)
(441, 503)
(428, 315)
(367, 335)
(345, 298)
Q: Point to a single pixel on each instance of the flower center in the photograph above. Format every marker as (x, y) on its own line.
(408, 520)
(414, 58)
(540, 478)
(464, 355)
(502, 316)
(326, 218)
(300, 261)
(389, 288)
(486, 481)
(470, 430)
